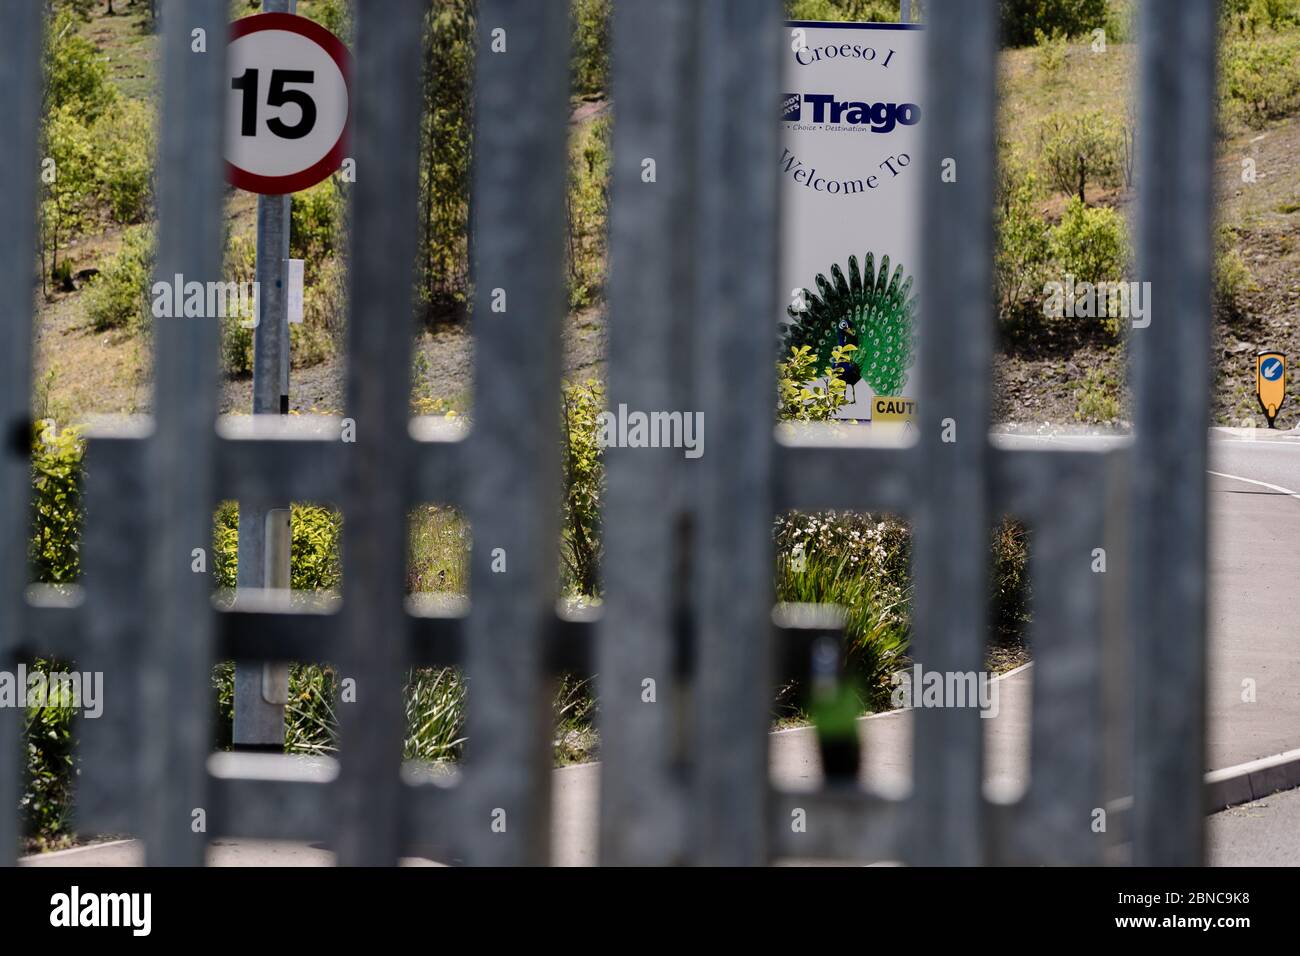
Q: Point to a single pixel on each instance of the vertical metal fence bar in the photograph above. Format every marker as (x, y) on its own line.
(112, 553)
(650, 322)
(20, 106)
(379, 466)
(521, 150)
(1175, 255)
(734, 366)
(176, 667)
(1066, 767)
(951, 530)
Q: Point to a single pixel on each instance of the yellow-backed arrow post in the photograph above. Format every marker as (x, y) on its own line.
(1270, 383)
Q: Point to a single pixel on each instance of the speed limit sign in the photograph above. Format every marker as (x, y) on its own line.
(287, 103)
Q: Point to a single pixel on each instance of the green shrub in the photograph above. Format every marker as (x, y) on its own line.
(1009, 589)
(46, 804)
(1260, 78)
(323, 329)
(55, 547)
(583, 466)
(1232, 277)
(1097, 399)
(591, 46)
(316, 226)
(1091, 244)
(446, 137)
(119, 297)
(68, 183)
(588, 199)
(1120, 23)
(1023, 245)
(437, 560)
(860, 564)
(1049, 57)
(806, 393)
(1023, 20)
(314, 556)
(125, 144)
(236, 334)
(76, 73)
(861, 11)
(1078, 148)
(55, 558)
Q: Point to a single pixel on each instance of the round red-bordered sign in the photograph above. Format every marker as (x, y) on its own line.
(278, 167)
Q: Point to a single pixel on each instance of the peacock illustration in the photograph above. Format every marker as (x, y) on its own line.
(869, 311)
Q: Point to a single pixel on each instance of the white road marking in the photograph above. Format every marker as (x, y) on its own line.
(1252, 481)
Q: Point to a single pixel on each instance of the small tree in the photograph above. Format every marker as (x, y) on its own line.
(69, 180)
(1022, 243)
(1079, 148)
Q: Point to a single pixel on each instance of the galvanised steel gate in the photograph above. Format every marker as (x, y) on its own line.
(689, 555)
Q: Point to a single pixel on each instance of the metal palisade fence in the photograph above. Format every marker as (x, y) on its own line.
(688, 570)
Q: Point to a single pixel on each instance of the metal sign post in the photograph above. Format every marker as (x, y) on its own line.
(262, 690)
(287, 130)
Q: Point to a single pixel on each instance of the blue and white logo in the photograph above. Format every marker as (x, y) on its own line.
(1271, 369)
(826, 110)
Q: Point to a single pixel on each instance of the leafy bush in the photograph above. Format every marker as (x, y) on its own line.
(1097, 398)
(1050, 54)
(316, 226)
(591, 46)
(55, 547)
(68, 182)
(1091, 244)
(862, 11)
(1009, 590)
(119, 297)
(1260, 78)
(584, 485)
(76, 74)
(1249, 15)
(314, 557)
(438, 557)
(806, 393)
(588, 199)
(1232, 277)
(1023, 20)
(324, 316)
(1023, 245)
(858, 562)
(55, 558)
(236, 337)
(125, 144)
(442, 269)
(1078, 148)
(46, 803)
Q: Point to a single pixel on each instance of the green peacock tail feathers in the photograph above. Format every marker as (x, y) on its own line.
(869, 310)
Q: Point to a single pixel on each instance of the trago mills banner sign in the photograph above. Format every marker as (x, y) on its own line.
(851, 193)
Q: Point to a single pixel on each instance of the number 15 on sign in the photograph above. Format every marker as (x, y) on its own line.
(287, 103)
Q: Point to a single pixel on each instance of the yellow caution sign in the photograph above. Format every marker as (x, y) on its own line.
(1270, 382)
(892, 408)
